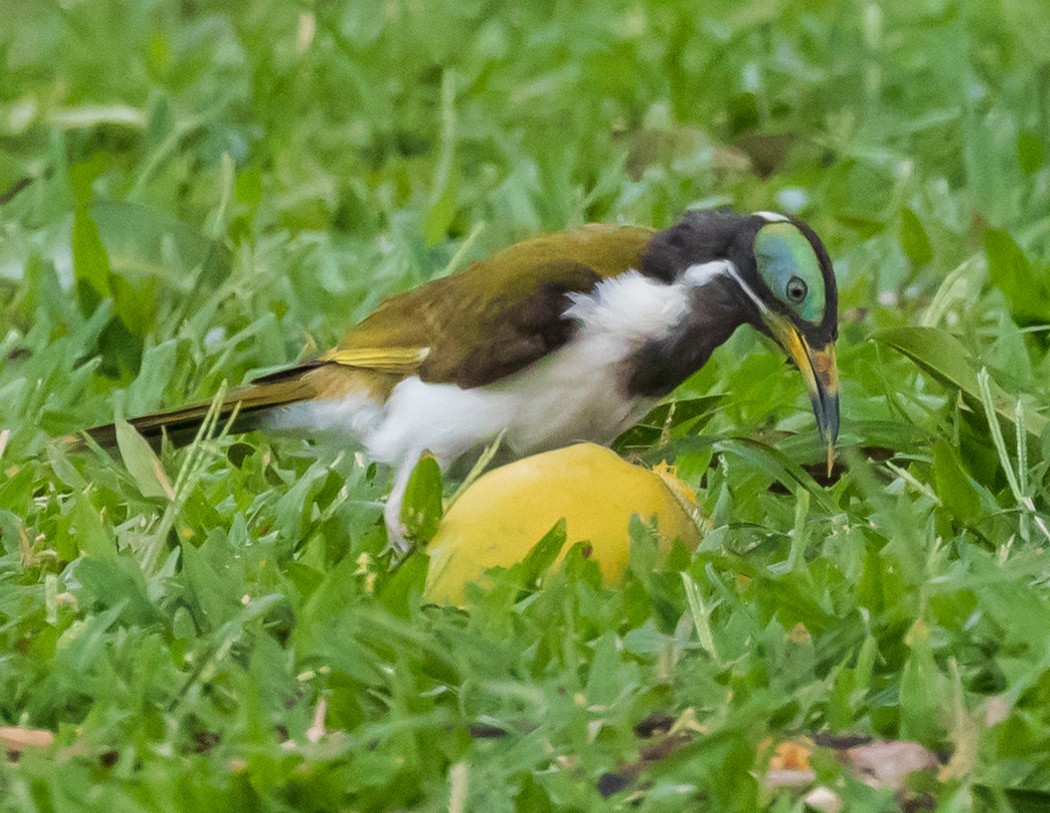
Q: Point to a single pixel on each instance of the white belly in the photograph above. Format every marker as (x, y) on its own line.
(554, 402)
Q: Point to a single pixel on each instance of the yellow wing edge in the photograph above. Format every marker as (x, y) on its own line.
(402, 360)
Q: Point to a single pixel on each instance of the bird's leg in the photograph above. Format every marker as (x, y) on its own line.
(396, 532)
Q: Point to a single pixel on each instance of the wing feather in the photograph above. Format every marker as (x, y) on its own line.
(403, 360)
(494, 317)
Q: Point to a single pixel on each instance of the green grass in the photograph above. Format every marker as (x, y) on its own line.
(192, 193)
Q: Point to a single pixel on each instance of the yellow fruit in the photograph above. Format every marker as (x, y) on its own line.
(501, 516)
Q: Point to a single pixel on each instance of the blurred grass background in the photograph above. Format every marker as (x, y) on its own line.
(191, 192)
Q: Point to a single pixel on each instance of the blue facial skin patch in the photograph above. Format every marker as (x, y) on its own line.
(783, 252)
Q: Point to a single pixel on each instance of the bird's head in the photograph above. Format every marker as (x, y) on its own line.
(772, 272)
(788, 278)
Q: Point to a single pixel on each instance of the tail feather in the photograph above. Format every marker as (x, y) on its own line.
(249, 403)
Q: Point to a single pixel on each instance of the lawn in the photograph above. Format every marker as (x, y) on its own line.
(196, 192)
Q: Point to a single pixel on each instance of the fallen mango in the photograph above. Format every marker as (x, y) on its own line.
(502, 515)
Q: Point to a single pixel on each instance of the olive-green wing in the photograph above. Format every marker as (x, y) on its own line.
(494, 317)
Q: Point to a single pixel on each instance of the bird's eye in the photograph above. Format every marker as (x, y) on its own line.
(796, 289)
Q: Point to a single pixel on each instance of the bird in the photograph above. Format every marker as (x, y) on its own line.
(564, 337)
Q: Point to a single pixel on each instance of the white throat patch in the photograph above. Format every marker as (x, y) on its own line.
(696, 276)
(629, 308)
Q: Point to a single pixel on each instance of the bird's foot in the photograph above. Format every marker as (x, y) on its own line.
(397, 539)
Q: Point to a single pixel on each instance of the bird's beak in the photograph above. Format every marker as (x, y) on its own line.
(820, 373)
